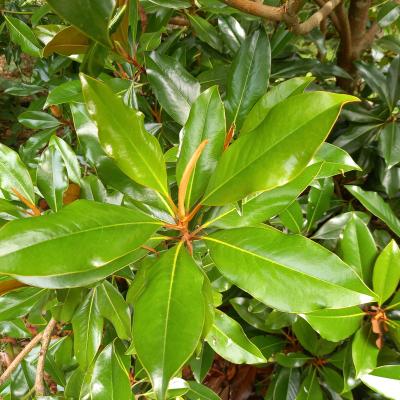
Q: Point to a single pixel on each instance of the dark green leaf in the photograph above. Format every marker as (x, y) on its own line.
(364, 350)
(377, 206)
(92, 21)
(248, 77)
(173, 86)
(38, 120)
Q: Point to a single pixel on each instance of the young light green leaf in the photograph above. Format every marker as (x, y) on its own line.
(228, 339)
(67, 92)
(169, 317)
(206, 121)
(14, 175)
(22, 35)
(87, 324)
(198, 391)
(248, 77)
(377, 206)
(335, 325)
(358, 248)
(286, 271)
(51, 178)
(113, 307)
(386, 275)
(292, 217)
(260, 161)
(123, 136)
(52, 241)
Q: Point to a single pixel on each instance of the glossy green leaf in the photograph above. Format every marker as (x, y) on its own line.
(389, 143)
(375, 80)
(201, 363)
(248, 77)
(260, 161)
(335, 325)
(206, 121)
(174, 87)
(274, 96)
(87, 324)
(51, 178)
(358, 248)
(292, 360)
(110, 376)
(14, 329)
(262, 206)
(285, 386)
(388, 13)
(333, 228)
(310, 388)
(364, 350)
(335, 161)
(319, 199)
(268, 345)
(70, 91)
(286, 272)
(52, 241)
(66, 42)
(309, 339)
(228, 339)
(113, 307)
(386, 274)
(206, 32)
(22, 35)
(19, 302)
(92, 21)
(38, 120)
(136, 152)
(292, 217)
(14, 175)
(232, 32)
(384, 380)
(171, 3)
(377, 206)
(198, 391)
(69, 158)
(393, 81)
(169, 317)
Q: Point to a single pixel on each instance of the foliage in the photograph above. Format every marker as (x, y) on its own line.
(181, 203)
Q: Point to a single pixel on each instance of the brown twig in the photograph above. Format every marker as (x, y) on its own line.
(17, 360)
(29, 204)
(39, 380)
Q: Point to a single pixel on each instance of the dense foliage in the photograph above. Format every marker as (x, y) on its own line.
(200, 200)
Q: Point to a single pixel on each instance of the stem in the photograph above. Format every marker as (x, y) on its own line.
(24, 200)
(24, 352)
(39, 381)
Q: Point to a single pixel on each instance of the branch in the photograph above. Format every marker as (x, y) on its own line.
(24, 352)
(315, 19)
(39, 381)
(257, 9)
(179, 21)
(333, 16)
